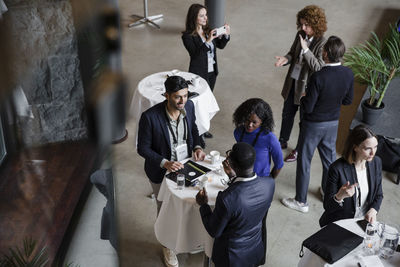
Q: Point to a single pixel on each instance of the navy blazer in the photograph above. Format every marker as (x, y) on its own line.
(154, 142)
(198, 53)
(236, 222)
(339, 173)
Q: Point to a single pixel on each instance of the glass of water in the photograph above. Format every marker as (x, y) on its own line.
(180, 181)
(371, 239)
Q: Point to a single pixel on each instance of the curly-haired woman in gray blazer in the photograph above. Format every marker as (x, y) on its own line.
(304, 57)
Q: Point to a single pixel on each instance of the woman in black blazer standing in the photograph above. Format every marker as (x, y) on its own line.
(354, 186)
(201, 43)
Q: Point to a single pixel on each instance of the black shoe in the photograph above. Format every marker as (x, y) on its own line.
(207, 135)
(283, 144)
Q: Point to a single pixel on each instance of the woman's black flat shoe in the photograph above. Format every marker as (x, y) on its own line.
(207, 135)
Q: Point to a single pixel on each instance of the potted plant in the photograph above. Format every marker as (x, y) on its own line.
(375, 63)
(30, 255)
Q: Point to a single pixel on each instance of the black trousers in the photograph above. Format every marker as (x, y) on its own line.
(288, 113)
(211, 79)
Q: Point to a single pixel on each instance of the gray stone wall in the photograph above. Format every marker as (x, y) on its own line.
(46, 65)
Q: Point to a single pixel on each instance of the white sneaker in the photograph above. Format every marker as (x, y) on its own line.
(292, 203)
(170, 258)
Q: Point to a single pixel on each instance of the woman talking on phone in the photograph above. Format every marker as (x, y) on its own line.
(304, 58)
(354, 186)
(201, 43)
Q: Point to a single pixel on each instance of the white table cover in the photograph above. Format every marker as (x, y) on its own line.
(178, 225)
(310, 259)
(3, 8)
(149, 92)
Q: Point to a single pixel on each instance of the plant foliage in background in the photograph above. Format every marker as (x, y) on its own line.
(375, 63)
(28, 257)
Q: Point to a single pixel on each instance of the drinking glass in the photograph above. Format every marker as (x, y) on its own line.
(389, 241)
(180, 181)
(371, 239)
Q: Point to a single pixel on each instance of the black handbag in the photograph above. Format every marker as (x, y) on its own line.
(331, 243)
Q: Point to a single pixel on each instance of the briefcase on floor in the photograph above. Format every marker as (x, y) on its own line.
(331, 243)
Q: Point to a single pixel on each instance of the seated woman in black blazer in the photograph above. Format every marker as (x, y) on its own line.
(354, 186)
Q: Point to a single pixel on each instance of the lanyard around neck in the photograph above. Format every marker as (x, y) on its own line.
(175, 138)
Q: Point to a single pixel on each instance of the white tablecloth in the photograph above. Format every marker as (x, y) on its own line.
(149, 92)
(178, 225)
(3, 8)
(310, 259)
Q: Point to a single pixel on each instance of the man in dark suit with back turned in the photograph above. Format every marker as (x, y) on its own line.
(326, 91)
(167, 135)
(236, 222)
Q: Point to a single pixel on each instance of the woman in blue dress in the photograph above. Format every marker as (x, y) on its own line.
(254, 124)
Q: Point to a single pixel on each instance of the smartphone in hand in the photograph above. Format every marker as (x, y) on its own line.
(363, 224)
(220, 31)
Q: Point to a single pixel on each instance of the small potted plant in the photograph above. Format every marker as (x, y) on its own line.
(375, 63)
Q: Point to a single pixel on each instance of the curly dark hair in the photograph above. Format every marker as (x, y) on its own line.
(315, 17)
(191, 20)
(254, 106)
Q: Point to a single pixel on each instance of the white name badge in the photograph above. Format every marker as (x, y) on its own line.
(296, 71)
(181, 152)
(210, 64)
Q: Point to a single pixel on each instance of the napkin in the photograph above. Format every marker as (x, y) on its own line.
(371, 261)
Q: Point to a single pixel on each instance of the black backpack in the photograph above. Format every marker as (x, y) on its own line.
(389, 151)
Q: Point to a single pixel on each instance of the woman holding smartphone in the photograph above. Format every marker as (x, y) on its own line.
(201, 43)
(354, 186)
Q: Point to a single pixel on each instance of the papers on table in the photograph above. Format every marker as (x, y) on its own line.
(371, 261)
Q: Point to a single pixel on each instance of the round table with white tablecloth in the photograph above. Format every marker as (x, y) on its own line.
(179, 225)
(150, 91)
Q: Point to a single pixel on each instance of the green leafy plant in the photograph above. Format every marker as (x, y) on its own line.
(375, 63)
(29, 256)
(25, 257)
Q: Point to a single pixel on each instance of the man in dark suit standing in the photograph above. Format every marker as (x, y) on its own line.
(326, 91)
(168, 134)
(236, 222)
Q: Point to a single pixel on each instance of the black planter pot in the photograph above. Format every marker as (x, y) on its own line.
(370, 115)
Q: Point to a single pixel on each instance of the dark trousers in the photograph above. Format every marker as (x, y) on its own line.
(264, 238)
(320, 135)
(288, 113)
(211, 79)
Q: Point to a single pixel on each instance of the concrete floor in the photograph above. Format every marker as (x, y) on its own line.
(260, 30)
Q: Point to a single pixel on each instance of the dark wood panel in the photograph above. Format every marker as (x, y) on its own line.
(39, 190)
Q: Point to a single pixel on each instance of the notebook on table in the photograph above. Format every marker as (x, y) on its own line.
(191, 170)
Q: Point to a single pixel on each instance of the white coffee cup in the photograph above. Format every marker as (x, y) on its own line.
(174, 72)
(214, 157)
